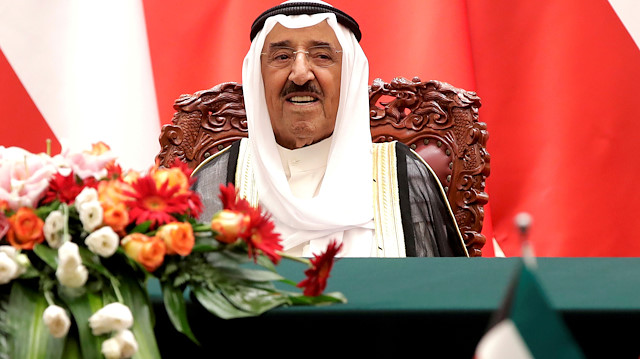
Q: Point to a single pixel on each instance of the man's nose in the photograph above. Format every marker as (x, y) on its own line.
(301, 71)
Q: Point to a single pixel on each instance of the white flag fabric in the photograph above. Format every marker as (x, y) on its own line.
(526, 325)
(86, 67)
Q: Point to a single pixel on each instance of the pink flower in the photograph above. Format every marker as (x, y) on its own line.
(24, 176)
(4, 224)
(87, 164)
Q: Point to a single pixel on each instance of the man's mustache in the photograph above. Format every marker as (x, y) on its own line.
(291, 87)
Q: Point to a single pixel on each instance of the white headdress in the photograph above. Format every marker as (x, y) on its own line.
(345, 198)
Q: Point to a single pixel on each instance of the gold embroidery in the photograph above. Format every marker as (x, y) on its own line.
(245, 180)
(386, 202)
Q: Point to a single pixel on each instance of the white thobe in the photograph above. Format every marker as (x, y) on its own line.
(304, 168)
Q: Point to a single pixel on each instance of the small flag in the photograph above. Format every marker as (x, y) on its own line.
(526, 326)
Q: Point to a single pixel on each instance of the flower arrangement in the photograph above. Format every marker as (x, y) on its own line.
(80, 238)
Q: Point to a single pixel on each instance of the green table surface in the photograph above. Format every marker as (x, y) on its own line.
(471, 284)
(450, 300)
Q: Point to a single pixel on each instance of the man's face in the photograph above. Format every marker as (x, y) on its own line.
(302, 98)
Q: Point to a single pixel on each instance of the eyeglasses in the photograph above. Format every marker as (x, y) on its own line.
(320, 56)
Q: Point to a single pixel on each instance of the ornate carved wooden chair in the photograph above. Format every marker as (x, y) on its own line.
(437, 120)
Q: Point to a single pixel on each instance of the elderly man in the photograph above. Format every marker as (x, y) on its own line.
(309, 160)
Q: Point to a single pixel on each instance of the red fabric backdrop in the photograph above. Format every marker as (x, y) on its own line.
(556, 79)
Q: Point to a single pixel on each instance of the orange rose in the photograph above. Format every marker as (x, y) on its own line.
(25, 229)
(98, 148)
(148, 251)
(112, 192)
(174, 176)
(115, 216)
(230, 225)
(131, 176)
(178, 237)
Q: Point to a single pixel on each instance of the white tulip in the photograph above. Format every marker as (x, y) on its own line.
(20, 259)
(69, 255)
(11, 251)
(23, 262)
(53, 228)
(8, 268)
(111, 349)
(57, 320)
(128, 344)
(91, 214)
(88, 194)
(111, 317)
(72, 277)
(103, 241)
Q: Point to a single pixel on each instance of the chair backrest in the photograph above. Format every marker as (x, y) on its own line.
(436, 119)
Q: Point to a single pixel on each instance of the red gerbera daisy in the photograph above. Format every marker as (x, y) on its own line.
(177, 163)
(195, 204)
(230, 200)
(317, 275)
(183, 181)
(114, 171)
(150, 203)
(263, 237)
(66, 188)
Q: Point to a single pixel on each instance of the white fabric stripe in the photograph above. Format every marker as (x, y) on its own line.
(503, 341)
(497, 250)
(245, 180)
(629, 12)
(87, 67)
(387, 214)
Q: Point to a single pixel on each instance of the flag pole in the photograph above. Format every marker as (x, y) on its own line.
(523, 222)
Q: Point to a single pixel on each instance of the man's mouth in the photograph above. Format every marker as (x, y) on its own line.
(302, 99)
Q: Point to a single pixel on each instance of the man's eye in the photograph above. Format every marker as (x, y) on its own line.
(321, 54)
(281, 56)
(322, 59)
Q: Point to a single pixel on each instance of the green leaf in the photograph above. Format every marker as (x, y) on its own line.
(137, 299)
(206, 245)
(201, 227)
(265, 262)
(29, 273)
(289, 282)
(249, 274)
(323, 299)
(92, 260)
(251, 299)
(72, 348)
(5, 290)
(82, 307)
(227, 258)
(176, 308)
(217, 304)
(142, 227)
(47, 254)
(44, 210)
(28, 335)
